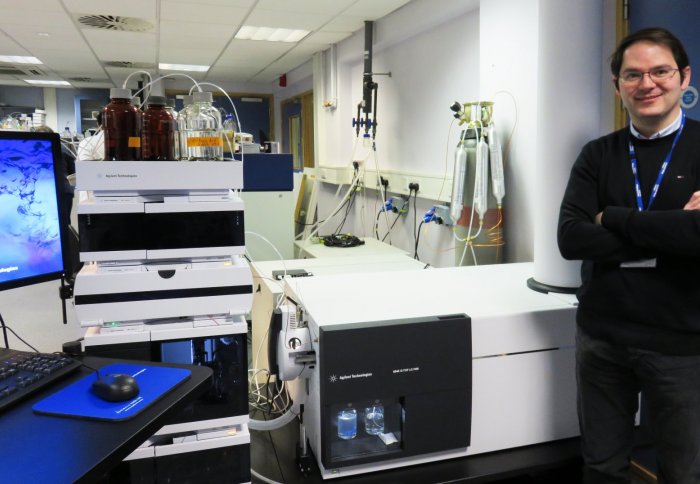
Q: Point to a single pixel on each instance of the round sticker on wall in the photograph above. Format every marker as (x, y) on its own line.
(689, 97)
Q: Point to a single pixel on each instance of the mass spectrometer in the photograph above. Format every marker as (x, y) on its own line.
(464, 360)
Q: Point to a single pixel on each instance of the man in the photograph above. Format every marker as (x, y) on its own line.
(631, 212)
(93, 147)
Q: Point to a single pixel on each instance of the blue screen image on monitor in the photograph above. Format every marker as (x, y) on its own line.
(30, 221)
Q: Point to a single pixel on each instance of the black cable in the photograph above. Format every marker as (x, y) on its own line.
(267, 394)
(415, 214)
(341, 240)
(277, 457)
(322, 221)
(18, 337)
(4, 332)
(376, 224)
(398, 215)
(415, 250)
(351, 198)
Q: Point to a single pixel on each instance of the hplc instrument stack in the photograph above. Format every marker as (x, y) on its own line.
(164, 279)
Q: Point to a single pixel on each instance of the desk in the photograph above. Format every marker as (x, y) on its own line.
(40, 448)
(307, 249)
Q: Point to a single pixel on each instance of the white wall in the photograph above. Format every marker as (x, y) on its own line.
(433, 57)
(508, 72)
(34, 313)
(539, 60)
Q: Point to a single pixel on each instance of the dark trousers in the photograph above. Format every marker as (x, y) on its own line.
(609, 379)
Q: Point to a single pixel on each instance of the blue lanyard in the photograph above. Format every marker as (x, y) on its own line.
(662, 170)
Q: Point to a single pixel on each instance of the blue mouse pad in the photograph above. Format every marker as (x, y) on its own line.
(78, 400)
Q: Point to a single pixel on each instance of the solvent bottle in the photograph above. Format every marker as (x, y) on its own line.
(157, 136)
(170, 107)
(229, 133)
(182, 116)
(204, 140)
(121, 122)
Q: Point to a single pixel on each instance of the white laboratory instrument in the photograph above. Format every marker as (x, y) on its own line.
(454, 374)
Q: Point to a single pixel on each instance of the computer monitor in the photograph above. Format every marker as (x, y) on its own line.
(33, 224)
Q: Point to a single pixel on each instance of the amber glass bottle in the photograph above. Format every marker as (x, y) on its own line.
(158, 134)
(121, 122)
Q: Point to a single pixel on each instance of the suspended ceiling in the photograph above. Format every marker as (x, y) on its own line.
(116, 37)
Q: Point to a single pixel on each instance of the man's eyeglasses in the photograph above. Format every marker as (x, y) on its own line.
(659, 74)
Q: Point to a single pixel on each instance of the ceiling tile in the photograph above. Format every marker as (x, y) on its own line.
(10, 47)
(93, 84)
(122, 46)
(325, 37)
(200, 13)
(177, 28)
(212, 46)
(372, 9)
(226, 3)
(121, 53)
(345, 23)
(253, 50)
(190, 31)
(311, 6)
(231, 74)
(213, 38)
(32, 18)
(34, 43)
(144, 9)
(33, 5)
(287, 20)
(89, 65)
(176, 55)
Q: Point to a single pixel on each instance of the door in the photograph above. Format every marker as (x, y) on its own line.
(681, 18)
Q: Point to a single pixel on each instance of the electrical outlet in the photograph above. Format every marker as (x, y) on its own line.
(384, 182)
(413, 186)
(400, 205)
(443, 212)
(396, 205)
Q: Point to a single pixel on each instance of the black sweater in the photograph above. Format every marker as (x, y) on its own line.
(659, 308)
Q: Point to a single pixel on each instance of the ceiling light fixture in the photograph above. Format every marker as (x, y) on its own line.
(248, 32)
(183, 67)
(46, 82)
(19, 59)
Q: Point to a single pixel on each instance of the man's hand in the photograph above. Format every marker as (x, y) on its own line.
(694, 202)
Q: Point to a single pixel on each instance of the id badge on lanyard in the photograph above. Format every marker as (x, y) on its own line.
(649, 263)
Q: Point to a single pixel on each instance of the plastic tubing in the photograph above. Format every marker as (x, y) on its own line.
(165, 77)
(274, 424)
(497, 177)
(262, 478)
(337, 208)
(481, 178)
(460, 169)
(150, 79)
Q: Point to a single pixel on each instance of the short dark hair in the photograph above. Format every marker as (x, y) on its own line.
(655, 35)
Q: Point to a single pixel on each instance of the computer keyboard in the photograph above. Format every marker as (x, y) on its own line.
(23, 373)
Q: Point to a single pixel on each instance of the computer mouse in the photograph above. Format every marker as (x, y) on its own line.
(115, 387)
